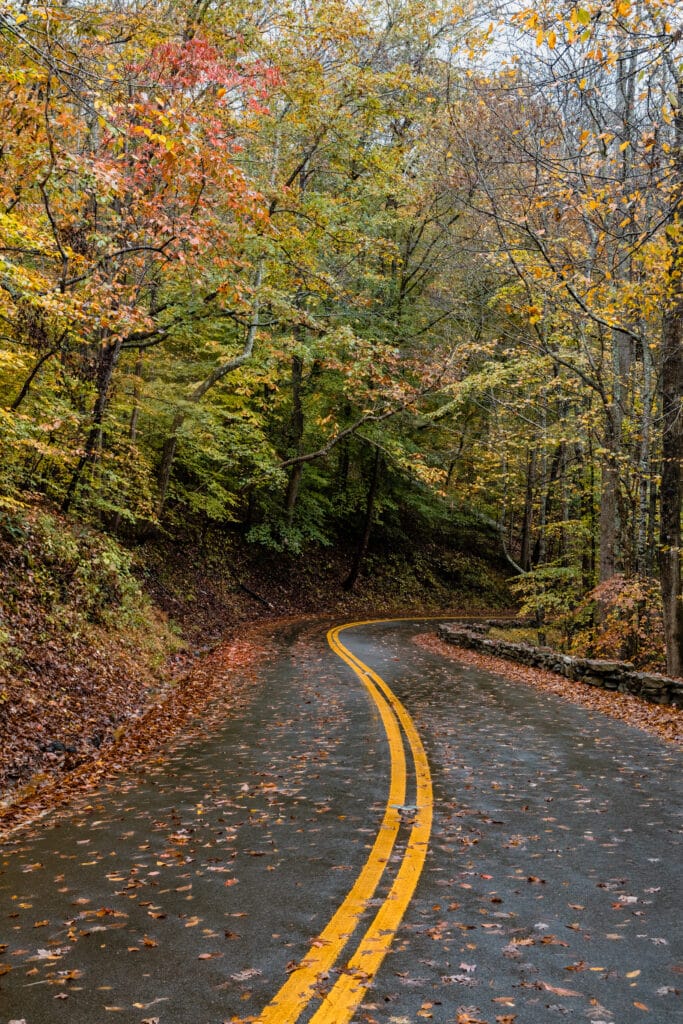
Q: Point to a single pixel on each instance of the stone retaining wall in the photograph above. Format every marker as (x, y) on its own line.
(608, 675)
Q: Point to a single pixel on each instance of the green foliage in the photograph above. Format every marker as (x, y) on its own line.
(549, 592)
(291, 248)
(75, 569)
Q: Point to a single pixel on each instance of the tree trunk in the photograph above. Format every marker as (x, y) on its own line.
(108, 362)
(587, 514)
(540, 547)
(137, 388)
(167, 456)
(292, 493)
(671, 489)
(609, 485)
(541, 552)
(26, 387)
(652, 520)
(527, 522)
(362, 548)
(296, 433)
(671, 492)
(644, 467)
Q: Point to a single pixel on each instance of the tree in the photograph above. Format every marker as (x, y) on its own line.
(580, 187)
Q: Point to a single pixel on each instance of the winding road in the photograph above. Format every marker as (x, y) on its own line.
(380, 835)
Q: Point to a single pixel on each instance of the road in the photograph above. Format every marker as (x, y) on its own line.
(381, 835)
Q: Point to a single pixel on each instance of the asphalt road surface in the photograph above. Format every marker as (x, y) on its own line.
(306, 863)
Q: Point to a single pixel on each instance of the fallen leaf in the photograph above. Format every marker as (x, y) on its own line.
(246, 974)
(557, 991)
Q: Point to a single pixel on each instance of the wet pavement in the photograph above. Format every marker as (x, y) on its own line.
(185, 893)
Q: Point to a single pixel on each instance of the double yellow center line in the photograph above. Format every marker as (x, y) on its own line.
(340, 1002)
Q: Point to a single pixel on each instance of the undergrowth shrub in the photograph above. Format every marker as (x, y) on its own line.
(70, 567)
(622, 618)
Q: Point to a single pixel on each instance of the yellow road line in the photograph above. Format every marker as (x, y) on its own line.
(299, 989)
(341, 1002)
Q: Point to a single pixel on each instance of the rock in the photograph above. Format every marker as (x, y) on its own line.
(591, 680)
(598, 667)
(603, 674)
(676, 694)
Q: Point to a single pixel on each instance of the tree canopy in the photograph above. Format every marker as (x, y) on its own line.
(302, 266)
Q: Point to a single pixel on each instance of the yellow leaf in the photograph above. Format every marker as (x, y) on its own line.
(583, 83)
(539, 37)
(552, 39)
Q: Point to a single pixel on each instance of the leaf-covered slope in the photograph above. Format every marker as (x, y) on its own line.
(81, 648)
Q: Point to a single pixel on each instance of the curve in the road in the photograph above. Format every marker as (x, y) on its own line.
(341, 1001)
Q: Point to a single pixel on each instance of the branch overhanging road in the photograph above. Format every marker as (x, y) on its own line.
(273, 871)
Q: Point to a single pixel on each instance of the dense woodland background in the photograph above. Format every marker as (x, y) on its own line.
(315, 276)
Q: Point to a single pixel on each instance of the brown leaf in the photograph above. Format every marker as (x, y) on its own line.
(557, 991)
